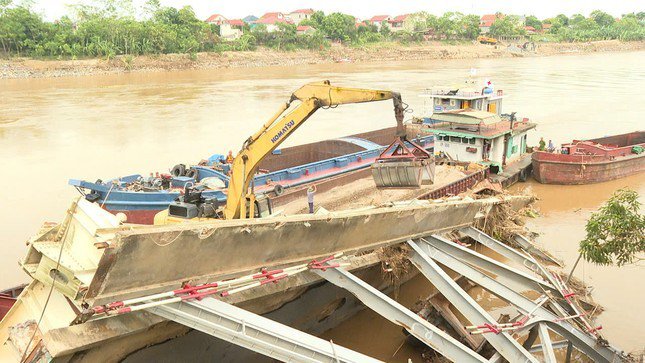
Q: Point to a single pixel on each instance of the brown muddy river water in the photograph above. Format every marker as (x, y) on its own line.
(106, 126)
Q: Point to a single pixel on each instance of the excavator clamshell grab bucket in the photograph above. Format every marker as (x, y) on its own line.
(403, 166)
(402, 174)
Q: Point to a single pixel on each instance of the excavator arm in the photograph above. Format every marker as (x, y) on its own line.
(312, 96)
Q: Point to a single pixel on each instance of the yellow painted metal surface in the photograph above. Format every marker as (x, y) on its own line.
(312, 96)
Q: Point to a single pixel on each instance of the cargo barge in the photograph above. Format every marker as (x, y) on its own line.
(591, 161)
(285, 175)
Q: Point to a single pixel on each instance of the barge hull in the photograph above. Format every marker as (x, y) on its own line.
(591, 161)
(571, 173)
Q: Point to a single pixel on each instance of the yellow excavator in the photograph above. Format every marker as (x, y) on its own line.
(242, 202)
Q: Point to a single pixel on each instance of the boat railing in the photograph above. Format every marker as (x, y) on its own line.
(569, 158)
(457, 92)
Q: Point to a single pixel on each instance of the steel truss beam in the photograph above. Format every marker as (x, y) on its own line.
(584, 342)
(508, 275)
(500, 247)
(530, 249)
(504, 343)
(257, 333)
(547, 346)
(380, 303)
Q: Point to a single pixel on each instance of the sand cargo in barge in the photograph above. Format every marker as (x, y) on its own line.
(592, 161)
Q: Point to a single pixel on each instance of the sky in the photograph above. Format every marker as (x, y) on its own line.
(54, 9)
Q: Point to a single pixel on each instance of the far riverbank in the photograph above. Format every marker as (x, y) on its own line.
(31, 68)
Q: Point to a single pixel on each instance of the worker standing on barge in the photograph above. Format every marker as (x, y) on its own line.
(310, 197)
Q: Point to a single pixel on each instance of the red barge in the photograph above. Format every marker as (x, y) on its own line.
(592, 161)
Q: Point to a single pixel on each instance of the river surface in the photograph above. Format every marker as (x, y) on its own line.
(52, 130)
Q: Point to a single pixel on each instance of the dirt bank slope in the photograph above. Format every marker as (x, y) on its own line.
(30, 68)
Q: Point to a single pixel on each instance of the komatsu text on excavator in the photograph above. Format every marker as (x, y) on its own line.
(400, 165)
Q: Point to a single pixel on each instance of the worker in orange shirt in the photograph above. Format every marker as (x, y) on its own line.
(229, 157)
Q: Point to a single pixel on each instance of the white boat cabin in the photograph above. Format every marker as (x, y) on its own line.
(469, 125)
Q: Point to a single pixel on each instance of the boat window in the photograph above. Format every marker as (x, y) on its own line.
(437, 101)
(455, 139)
(472, 140)
(453, 102)
(464, 140)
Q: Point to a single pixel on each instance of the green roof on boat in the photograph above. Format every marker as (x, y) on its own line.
(467, 116)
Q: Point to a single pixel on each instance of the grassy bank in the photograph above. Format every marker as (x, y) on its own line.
(38, 68)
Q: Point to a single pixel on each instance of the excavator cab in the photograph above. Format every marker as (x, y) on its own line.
(403, 164)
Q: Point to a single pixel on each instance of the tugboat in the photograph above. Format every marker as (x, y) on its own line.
(592, 161)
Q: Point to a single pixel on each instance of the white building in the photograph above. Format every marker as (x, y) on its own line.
(299, 15)
(231, 29)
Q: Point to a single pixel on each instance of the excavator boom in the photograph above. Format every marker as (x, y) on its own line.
(278, 128)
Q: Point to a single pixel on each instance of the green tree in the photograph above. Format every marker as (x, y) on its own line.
(629, 28)
(20, 29)
(469, 27)
(563, 19)
(601, 18)
(576, 18)
(448, 24)
(506, 26)
(586, 24)
(534, 22)
(616, 232)
(317, 19)
(556, 24)
(338, 26)
(286, 37)
(385, 30)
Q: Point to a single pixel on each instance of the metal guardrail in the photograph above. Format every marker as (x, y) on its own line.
(458, 186)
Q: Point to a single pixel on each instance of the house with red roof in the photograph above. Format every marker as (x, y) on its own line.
(487, 21)
(546, 27)
(216, 19)
(271, 21)
(299, 15)
(380, 20)
(305, 29)
(529, 29)
(405, 22)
